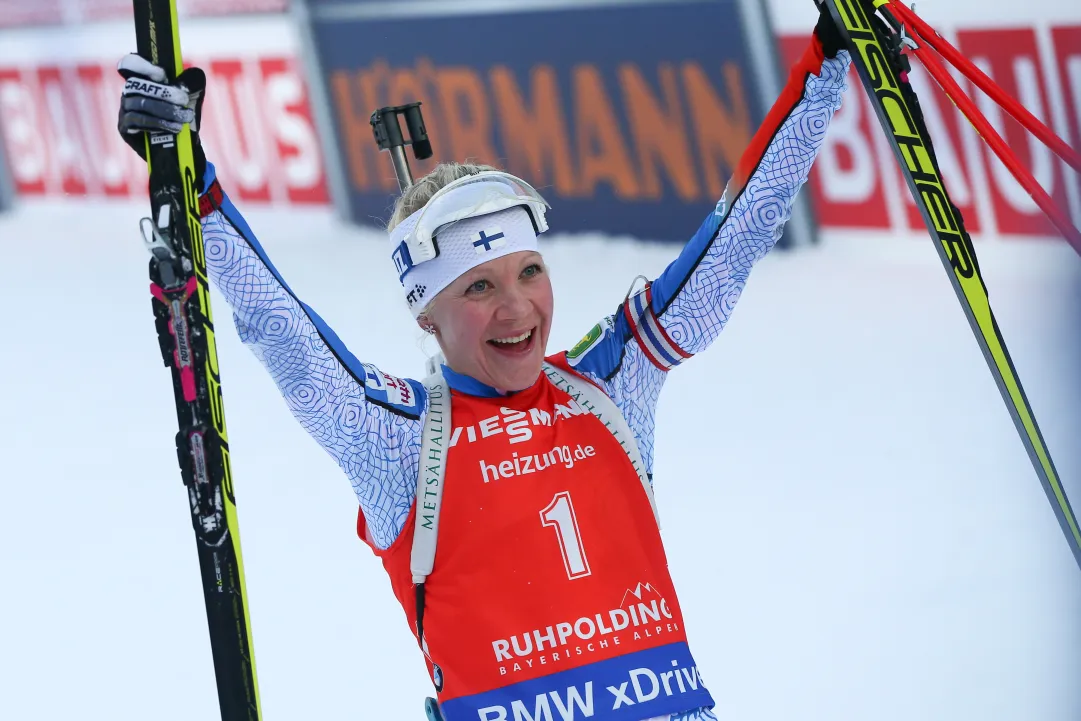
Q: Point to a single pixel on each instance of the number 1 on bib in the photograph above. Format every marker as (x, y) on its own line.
(560, 514)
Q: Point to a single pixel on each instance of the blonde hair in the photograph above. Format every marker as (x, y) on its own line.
(417, 195)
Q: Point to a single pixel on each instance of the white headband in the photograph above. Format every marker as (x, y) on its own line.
(469, 222)
(463, 245)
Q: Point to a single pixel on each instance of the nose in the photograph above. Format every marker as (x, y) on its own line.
(514, 303)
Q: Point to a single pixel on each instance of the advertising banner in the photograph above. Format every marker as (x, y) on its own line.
(1035, 55)
(14, 13)
(628, 118)
(59, 100)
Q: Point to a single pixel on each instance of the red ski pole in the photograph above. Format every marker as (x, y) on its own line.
(987, 85)
(998, 145)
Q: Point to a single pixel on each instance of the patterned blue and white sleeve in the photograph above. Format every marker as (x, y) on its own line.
(686, 307)
(369, 422)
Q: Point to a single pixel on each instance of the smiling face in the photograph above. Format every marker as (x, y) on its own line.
(492, 322)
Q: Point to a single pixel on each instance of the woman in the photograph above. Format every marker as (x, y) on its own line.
(550, 592)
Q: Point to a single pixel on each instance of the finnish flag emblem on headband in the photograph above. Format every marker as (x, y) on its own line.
(489, 239)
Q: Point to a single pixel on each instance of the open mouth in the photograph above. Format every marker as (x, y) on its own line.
(515, 344)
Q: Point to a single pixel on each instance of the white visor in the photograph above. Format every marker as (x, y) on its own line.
(468, 222)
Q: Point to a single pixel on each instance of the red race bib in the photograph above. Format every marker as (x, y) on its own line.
(550, 588)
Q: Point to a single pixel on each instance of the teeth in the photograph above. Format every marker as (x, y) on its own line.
(515, 339)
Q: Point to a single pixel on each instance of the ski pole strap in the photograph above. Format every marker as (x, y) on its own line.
(211, 200)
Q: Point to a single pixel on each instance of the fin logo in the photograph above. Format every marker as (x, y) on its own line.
(489, 239)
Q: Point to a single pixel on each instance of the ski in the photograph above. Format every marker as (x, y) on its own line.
(181, 304)
(882, 68)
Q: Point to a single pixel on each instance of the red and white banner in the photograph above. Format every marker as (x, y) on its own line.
(59, 124)
(856, 184)
(14, 13)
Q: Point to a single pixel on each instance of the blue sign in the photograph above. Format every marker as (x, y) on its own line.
(628, 119)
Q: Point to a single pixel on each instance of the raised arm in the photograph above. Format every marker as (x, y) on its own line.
(686, 307)
(694, 297)
(367, 421)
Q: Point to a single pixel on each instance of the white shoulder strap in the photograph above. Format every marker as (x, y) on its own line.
(435, 442)
(598, 403)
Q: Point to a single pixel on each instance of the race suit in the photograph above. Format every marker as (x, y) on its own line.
(370, 422)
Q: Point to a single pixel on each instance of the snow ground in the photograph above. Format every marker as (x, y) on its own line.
(855, 530)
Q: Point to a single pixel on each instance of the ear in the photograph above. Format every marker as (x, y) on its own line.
(426, 324)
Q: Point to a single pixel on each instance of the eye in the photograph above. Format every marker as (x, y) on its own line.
(477, 286)
(532, 270)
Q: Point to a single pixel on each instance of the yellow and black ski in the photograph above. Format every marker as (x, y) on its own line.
(181, 303)
(882, 68)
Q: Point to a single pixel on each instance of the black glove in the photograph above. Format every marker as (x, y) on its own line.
(827, 31)
(150, 104)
